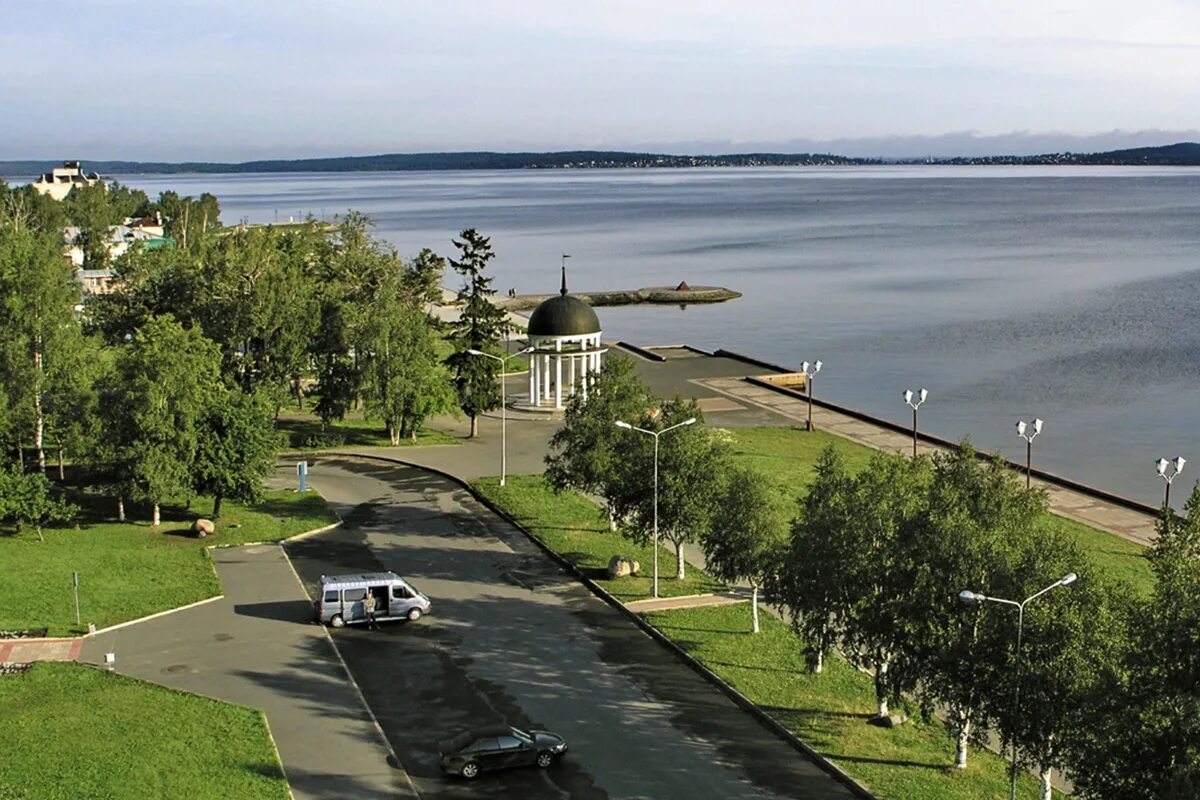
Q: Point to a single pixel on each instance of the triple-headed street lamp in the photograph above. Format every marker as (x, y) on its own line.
(655, 434)
(1034, 429)
(1177, 467)
(503, 406)
(908, 398)
(810, 371)
(968, 596)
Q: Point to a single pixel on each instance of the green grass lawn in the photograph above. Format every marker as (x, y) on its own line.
(128, 570)
(829, 711)
(71, 731)
(304, 432)
(787, 456)
(571, 525)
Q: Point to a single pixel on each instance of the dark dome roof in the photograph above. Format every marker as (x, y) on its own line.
(563, 316)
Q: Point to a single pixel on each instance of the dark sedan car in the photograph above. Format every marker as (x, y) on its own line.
(499, 747)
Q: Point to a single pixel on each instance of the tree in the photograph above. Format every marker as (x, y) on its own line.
(691, 469)
(968, 538)
(404, 380)
(189, 221)
(70, 408)
(479, 327)
(38, 321)
(153, 403)
(584, 450)
(423, 277)
(1144, 737)
(236, 446)
(748, 533)
(27, 499)
(1074, 641)
(877, 630)
(809, 585)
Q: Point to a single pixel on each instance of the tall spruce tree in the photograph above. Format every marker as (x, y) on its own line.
(480, 326)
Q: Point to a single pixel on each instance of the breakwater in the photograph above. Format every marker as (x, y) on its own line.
(679, 295)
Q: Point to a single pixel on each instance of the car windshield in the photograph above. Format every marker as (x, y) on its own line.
(522, 735)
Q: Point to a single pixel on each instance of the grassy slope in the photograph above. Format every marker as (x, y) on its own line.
(571, 525)
(829, 711)
(76, 732)
(129, 570)
(787, 455)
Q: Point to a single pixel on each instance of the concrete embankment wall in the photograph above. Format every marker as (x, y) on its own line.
(1049, 477)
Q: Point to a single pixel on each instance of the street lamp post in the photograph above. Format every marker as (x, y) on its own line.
(655, 434)
(810, 371)
(968, 596)
(908, 398)
(1177, 465)
(1036, 428)
(503, 406)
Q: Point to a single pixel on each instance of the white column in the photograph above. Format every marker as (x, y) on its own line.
(545, 377)
(532, 388)
(571, 390)
(558, 375)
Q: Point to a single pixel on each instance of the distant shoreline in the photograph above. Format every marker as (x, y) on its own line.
(1183, 154)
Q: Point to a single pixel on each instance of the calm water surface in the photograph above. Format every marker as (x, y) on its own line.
(1071, 294)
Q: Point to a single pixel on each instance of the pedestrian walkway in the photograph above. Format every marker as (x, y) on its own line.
(258, 646)
(1136, 526)
(687, 601)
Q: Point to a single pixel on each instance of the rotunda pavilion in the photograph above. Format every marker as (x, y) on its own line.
(564, 337)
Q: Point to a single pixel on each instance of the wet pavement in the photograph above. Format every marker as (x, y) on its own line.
(513, 639)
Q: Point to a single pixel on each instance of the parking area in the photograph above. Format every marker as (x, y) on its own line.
(512, 639)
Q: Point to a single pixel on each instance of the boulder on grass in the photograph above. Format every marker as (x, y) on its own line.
(203, 527)
(889, 721)
(622, 567)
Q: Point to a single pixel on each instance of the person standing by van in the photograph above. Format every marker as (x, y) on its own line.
(369, 607)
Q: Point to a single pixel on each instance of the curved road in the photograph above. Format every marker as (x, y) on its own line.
(513, 639)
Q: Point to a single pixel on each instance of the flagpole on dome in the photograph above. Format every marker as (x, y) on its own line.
(565, 256)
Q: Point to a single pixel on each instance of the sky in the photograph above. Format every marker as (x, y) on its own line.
(248, 79)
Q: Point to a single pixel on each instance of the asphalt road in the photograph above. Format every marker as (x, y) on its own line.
(513, 639)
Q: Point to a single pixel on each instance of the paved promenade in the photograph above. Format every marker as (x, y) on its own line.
(729, 401)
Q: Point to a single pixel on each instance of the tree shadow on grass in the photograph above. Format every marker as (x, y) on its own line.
(892, 762)
(781, 712)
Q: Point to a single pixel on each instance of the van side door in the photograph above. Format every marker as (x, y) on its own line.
(402, 599)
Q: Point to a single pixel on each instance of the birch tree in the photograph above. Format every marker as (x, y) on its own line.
(810, 585)
(886, 498)
(584, 451)
(38, 297)
(747, 534)
(152, 404)
(967, 539)
(405, 382)
(691, 471)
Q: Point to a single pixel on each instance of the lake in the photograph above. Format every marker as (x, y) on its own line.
(1069, 293)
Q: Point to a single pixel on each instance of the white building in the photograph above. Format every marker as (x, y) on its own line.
(564, 333)
(59, 182)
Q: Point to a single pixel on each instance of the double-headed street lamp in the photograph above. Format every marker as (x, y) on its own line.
(655, 434)
(968, 596)
(1177, 465)
(810, 371)
(1035, 428)
(908, 398)
(503, 407)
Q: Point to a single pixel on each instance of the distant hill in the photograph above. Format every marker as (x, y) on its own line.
(390, 162)
(1183, 154)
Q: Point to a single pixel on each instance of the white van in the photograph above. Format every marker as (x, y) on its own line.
(341, 599)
